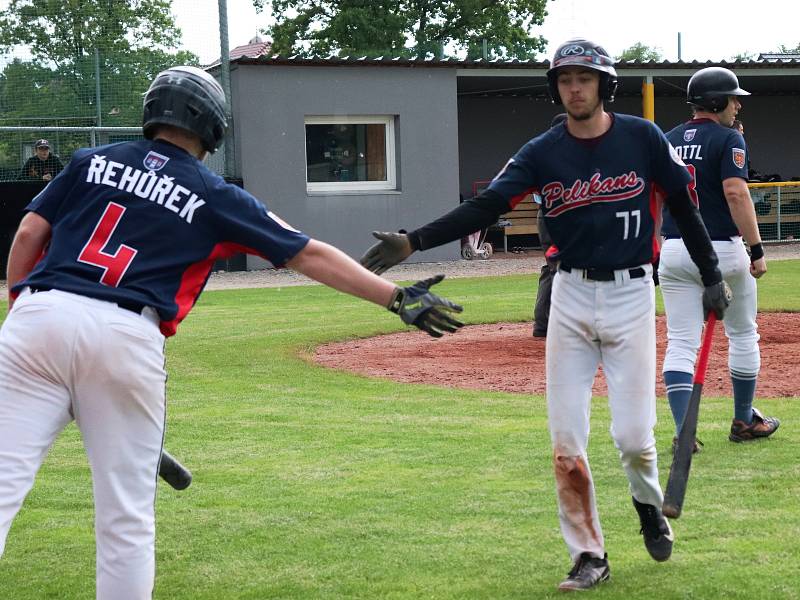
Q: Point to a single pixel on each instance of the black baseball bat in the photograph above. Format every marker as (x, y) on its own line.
(173, 472)
(682, 459)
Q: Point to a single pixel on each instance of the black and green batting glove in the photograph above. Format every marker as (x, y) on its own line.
(418, 307)
(717, 297)
(393, 248)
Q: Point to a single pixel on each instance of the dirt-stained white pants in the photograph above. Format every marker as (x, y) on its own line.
(65, 357)
(608, 323)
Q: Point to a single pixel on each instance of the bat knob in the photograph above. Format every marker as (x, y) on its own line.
(671, 511)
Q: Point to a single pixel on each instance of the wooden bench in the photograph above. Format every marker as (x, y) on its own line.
(767, 196)
(520, 221)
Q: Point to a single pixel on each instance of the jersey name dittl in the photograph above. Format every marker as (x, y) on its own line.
(690, 152)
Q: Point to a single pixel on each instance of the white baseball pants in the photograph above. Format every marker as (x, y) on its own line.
(608, 323)
(65, 357)
(682, 289)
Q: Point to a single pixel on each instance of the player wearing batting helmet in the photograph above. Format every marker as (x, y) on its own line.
(132, 231)
(596, 177)
(716, 155)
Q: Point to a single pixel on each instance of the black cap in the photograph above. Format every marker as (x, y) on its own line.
(41, 144)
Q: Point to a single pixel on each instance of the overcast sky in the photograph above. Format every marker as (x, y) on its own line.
(709, 30)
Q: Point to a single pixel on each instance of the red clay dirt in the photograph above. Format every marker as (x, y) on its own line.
(505, 357)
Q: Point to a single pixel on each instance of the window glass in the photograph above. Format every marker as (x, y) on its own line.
(348, 154)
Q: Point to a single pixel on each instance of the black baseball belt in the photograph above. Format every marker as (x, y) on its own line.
(604, 274)
(136, 307)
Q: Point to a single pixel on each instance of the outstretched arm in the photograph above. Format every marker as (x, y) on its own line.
(470, 216)
(329, 265)
(415, 304)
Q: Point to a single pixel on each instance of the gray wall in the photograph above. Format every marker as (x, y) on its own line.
(271, 104)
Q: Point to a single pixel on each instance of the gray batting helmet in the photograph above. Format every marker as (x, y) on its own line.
(189, 98)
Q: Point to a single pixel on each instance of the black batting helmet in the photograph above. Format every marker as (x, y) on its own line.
(583, 53)
(711, 87)
(189, 98)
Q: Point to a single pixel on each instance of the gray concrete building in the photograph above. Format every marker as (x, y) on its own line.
(340, 147)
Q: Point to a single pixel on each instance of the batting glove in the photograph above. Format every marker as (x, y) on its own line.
(417, 306)
(717, 297)
(393, 248)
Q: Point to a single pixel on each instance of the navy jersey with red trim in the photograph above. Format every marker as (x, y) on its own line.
(143, 223)
(598, 196)
(713, 153)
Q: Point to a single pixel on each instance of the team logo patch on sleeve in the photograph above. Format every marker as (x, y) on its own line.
(688, 135)
(155, 161)
(738, 157)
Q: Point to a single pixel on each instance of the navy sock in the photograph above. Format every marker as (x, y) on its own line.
(744, 389)
(679, 390)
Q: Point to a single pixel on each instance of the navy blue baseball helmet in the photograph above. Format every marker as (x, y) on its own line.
(189, 98)
(583, 53)
(711, 87)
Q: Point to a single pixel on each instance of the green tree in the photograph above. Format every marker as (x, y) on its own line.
(129, 40)
(405, 27)
(789, 49)
(744, 56)
(641, 52)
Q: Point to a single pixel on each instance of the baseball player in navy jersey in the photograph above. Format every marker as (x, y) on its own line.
(131, 232)
(716, 156)
(598, 177)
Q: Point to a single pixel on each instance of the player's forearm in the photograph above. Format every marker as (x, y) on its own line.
(742, 210)
(29, 243)
(470, 216)
(695, 236)
(332, 267)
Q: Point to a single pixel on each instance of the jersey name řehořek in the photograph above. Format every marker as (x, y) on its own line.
(599, 195)
(143, 222)
(713, 153)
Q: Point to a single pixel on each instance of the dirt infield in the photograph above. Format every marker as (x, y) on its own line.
(505, 357)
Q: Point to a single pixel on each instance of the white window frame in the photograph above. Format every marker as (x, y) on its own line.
(390, 183)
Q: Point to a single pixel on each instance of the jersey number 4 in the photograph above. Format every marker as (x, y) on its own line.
(94, 252)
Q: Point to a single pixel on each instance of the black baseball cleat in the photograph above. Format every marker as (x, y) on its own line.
(587, 572)
(759, 427)
(656, 531)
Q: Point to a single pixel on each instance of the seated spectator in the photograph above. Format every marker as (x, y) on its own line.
(42, 166)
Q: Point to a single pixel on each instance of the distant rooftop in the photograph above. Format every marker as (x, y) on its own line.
(779, 56)
(253, 49)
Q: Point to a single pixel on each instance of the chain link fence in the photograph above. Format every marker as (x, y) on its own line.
(777, 207)
(73, 73)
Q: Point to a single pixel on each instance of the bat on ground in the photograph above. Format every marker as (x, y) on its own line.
(173, 472)
(682, 458)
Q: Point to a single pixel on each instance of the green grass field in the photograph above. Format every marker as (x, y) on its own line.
(310, 483)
